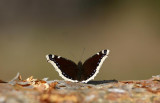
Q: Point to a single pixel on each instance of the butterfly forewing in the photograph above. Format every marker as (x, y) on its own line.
(66, 68)
(92, 65)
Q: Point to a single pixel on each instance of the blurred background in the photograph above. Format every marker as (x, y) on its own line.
(30, 29)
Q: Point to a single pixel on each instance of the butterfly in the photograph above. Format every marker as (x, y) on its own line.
(81, 72)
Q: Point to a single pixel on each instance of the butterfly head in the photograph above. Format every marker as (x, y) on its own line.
(79, 64)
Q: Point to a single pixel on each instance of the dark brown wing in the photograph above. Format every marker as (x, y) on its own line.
(92, 65)
(66, 68)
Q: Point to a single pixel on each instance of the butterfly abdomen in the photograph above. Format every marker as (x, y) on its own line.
(80, 70)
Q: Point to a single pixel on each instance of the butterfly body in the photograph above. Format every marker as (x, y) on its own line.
(82, 72)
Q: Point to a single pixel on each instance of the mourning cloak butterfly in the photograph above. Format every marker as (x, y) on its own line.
(85, 72)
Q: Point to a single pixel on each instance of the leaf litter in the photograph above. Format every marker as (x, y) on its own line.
(32, 90)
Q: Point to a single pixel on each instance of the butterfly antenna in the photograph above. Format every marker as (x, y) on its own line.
(72, 55)
(82, 54)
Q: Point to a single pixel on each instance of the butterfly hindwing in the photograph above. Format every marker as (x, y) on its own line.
(92, 65)
(66, 68)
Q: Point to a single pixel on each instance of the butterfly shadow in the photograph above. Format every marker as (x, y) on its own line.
(102, 82)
